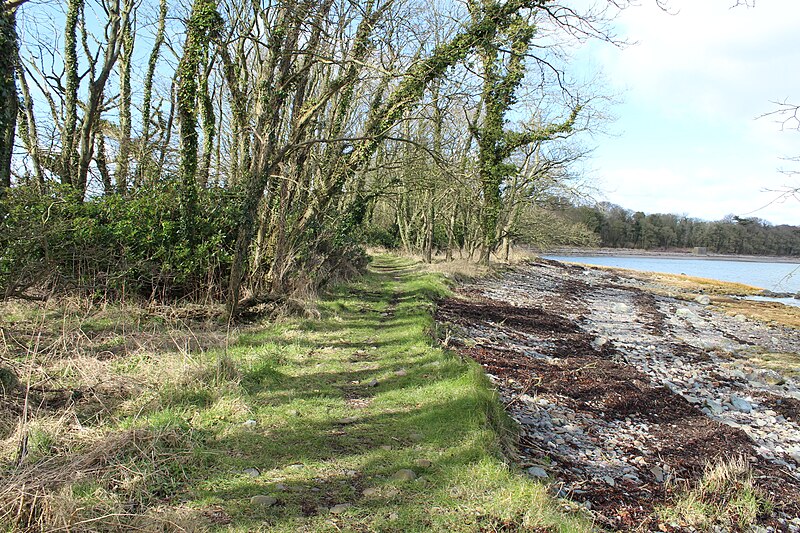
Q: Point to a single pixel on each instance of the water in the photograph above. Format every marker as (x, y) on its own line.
(776, 277)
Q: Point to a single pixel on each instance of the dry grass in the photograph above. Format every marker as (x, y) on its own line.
(686, 286)
(73, 371)
(97, 484)
(726, 497)
(769, 312)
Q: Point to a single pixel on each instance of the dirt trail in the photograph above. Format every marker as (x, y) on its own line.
(624, 395)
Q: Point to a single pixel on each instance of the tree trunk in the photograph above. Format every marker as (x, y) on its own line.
(9, 56)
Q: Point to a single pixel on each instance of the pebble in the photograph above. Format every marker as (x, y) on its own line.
(423, 463)
(404, 475)
(702, 299)
(249, 423)
(741, 404)
(658, 473)
(252, 472)
(263, 500)
(340, 508)
(537, 472)
(373, 383)
(370, 492)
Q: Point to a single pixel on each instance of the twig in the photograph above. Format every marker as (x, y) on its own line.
(528, 386)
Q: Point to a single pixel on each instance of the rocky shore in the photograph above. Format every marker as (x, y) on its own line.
(624, 396)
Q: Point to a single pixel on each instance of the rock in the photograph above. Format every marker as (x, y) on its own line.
(715, 407)
(280, 486)
(537, 472)
(740, 318)
(740, 404)
(370, 492)
(621, 308)
(401, 372)
(609, 481)
(658, 473)
(702, 299)
(404, 475)
(372, 383)
(423, 463)
(340, 508)
(252, 472)
(684, 313)
(347, 420)
(249, 423)
(263, 500)
(386, 447)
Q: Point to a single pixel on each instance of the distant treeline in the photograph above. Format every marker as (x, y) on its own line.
(618, 227)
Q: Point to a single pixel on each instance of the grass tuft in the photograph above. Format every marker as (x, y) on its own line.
(725, 496)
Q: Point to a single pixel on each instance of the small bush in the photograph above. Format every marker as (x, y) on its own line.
(115, 245)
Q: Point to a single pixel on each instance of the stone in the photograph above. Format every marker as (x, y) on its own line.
(715, 407)
(252, 472)
(684, 313)
(702, 299)
(249, 423)
(609, 481)
(740, 404)
(621, 308)
(404, 474)
(280, 486)
(537, 472)
(386, 447)
(263, 500)
(340, 508)
(401, 372)
(372, 383)
(370, 492)
(423, 463)
(347, 420)
(658, 473)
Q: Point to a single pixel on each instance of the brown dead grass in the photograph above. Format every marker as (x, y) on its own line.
(769, 312)
(39, 495)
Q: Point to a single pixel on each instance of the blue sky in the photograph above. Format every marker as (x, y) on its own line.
(686, 138)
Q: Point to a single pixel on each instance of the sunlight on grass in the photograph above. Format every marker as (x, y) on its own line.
(303, 414)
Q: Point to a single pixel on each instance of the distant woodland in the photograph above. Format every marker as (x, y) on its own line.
(616, 227)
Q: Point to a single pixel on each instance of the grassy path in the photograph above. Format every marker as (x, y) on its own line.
(312, 425)
(344, 403)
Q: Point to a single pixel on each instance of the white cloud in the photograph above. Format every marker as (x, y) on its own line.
(693, 87)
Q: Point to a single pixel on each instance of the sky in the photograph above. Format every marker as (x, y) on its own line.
(687, 138)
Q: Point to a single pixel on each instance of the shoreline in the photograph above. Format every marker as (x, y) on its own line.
(625, 388)
(645, 254)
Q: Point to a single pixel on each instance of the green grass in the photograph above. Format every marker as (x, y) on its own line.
(324, 409)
